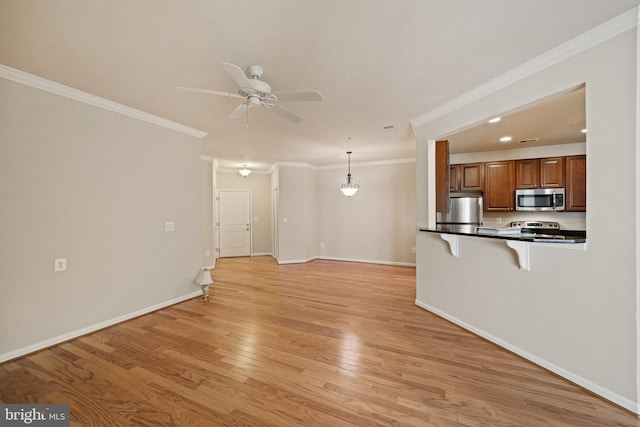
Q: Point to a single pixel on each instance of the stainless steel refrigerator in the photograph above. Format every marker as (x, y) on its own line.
(465, 208)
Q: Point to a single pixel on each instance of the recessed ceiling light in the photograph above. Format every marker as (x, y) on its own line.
(495, 120)
(506, 139)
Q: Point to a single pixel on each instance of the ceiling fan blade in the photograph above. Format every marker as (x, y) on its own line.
(237, 74)
(239, 111)
(308, 95)
(210, 92)
(283, 112)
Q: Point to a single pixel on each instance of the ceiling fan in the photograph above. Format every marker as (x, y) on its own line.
(256, 92)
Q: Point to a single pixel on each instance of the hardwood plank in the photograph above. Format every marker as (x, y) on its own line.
(321, 343)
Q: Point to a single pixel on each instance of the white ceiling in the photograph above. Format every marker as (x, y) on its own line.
(560, 119)
(375, 62)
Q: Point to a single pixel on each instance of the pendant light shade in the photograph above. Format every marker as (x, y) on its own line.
(244, 171)
(349, 189)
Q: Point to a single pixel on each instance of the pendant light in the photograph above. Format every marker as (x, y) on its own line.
(244, 171)
(349, 189)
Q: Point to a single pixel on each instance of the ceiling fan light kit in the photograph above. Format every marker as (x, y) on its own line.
(349, 189)
(256, 92)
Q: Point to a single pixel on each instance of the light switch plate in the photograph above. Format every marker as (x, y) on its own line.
(60, 264)
(169, 226)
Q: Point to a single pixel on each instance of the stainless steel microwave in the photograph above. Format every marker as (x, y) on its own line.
(540, 199)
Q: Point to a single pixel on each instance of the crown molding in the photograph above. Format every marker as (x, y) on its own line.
(372, 163)
(296, 165)
(341, 165)
(593, 37)
(96, 101)
(274, 166)
(235, 170)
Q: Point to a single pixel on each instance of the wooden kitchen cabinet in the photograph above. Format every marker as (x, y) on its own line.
(499, 186)
(527, 173)
(466, 176)
(454, 177)
(552, 172)
(576, 181)
(540, 173)
(442, 179)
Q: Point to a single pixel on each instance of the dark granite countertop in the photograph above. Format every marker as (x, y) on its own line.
(527, 235)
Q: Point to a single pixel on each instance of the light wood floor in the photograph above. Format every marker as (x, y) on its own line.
(324, 343)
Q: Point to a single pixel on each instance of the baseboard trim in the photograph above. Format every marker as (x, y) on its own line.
(328, 258)
(95, 327)
(295, 261)
(607, 394)
(368, 261)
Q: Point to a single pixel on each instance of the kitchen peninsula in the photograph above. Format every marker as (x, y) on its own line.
(525, 235)
(517, 238)
(575, 311)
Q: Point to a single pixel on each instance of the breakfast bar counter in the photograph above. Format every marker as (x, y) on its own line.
(511, 233)
(520, 240)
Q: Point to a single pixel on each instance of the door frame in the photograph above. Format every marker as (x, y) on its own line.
(275, 250)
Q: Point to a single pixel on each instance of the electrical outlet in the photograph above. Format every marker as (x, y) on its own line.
(413, 250)
(60, 264)
(322, 245)
(206, 253)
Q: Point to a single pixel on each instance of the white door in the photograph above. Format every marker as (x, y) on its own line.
(235, 223)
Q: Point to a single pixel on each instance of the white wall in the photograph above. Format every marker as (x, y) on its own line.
(575, 312)
(297, 213)
(95, 187)
(377, 224)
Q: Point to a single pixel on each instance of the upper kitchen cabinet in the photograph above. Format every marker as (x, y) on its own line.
(576, 179)
(466, 176)
(527, 173)
(540, 173)
(499, 186)
(552, 172)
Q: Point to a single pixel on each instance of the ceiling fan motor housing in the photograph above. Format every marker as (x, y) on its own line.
(261, 89)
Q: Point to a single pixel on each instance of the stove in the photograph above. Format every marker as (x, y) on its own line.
(536, 226)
